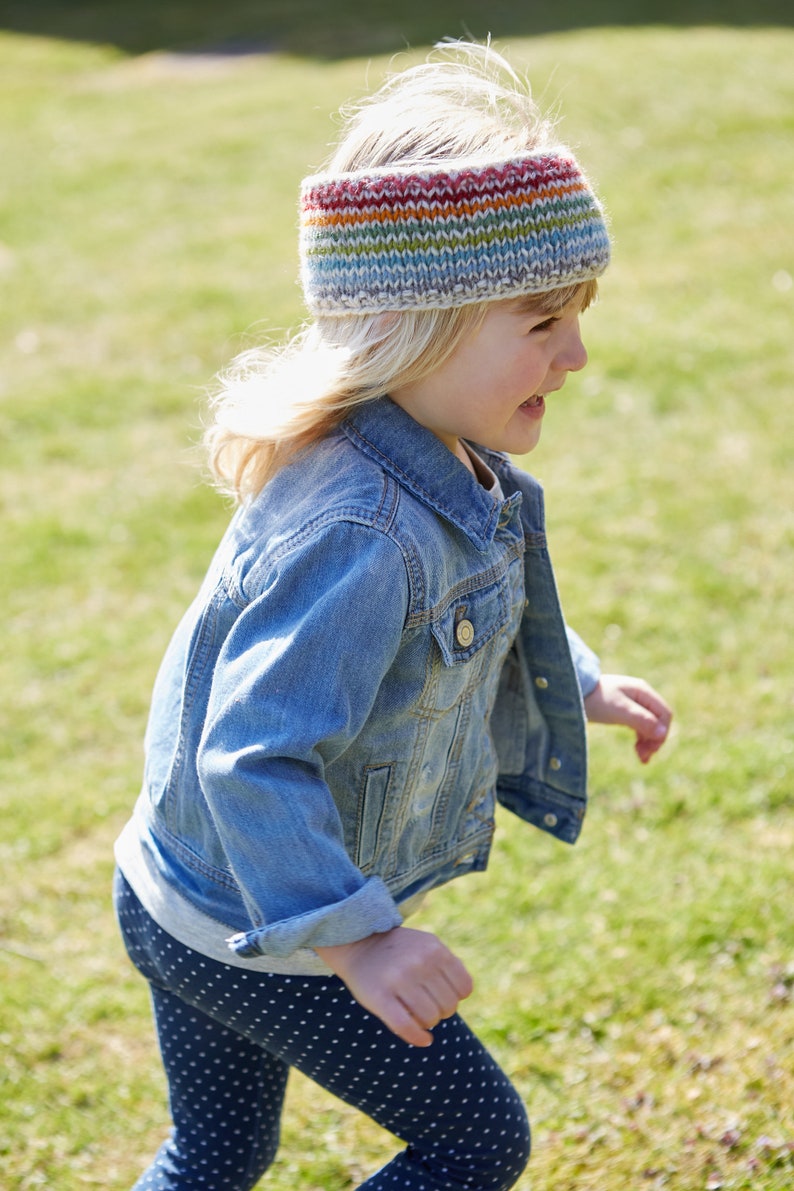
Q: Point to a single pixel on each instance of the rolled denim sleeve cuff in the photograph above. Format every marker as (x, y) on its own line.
(586, 663)
(370, 910)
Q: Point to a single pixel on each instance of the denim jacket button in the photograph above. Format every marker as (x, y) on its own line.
(464, 633)
(550, 820)
(541, 683)
(555, 763)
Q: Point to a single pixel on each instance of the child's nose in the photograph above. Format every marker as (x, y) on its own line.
(573, 354)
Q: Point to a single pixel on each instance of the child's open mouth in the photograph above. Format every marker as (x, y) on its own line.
(536, 402)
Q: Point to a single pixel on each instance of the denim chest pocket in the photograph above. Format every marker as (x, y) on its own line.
(468, 624)
(470, 621)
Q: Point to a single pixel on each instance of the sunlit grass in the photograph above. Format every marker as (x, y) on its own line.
(638, 987)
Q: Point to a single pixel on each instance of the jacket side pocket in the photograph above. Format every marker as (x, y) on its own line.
(372, 802)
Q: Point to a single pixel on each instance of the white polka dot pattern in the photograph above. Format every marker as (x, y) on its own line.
(228, 1038)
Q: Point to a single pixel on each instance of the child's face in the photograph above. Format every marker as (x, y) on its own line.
(492, 389)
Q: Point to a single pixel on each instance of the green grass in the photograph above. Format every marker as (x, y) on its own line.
(639, 987)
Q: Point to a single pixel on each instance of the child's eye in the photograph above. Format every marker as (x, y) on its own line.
(546, 325)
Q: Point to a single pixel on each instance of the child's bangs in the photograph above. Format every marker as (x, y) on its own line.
(583, 293)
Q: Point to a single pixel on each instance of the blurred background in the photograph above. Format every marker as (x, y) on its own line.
(638, 987)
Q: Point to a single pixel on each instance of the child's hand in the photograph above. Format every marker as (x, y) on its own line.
(617, 699)
(406, 977)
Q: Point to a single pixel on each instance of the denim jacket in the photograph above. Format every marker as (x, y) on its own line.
(377, 655)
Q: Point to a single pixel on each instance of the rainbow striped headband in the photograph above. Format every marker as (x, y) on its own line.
(401, 239)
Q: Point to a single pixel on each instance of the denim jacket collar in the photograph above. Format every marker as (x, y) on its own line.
(422, 464)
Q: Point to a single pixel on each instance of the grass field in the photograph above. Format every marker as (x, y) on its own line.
(640, 987)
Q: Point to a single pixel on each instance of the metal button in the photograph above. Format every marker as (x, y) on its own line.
(550, 820)
(555, 763)
(464, 633)
(541, 683)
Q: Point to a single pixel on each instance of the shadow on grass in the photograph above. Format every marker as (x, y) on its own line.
(347, 28)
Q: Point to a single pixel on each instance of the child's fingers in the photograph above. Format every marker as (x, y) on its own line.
(653, 703)
(422, 1006)
(409, 979)
(645, 749)
(658, 725)
(404, 1024)
(653, 735)
(649, 742)
(398, 1015)
(435, 998)
(647, 713)
(457, 975)
(620, 699)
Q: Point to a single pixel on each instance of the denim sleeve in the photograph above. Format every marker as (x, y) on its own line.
(585, 662)
(294, 683)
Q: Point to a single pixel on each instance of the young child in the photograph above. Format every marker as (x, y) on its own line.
(377, 653)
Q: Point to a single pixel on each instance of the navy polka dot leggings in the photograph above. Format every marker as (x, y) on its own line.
(228, 1038)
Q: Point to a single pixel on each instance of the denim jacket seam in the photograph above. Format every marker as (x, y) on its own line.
(386, 516)
(430, 862)
(472, 583)
(480, 534)
(196, 668)
(339, 515)
(196, 862)
(336, 517)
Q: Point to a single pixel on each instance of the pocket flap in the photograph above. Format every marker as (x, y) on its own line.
(470, 621)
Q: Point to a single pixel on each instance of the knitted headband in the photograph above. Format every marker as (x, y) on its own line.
(402, 239)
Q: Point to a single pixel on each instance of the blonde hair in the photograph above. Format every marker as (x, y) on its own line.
(466, 100)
